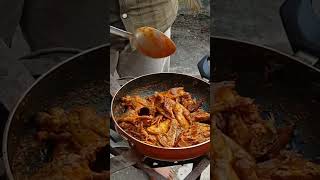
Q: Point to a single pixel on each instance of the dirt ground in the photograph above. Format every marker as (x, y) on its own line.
(191, 33)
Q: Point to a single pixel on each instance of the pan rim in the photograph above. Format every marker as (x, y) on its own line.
(290, 56)
(153, 146)
(6, 131)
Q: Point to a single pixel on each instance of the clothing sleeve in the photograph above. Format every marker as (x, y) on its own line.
(159, 14)
(14, 77)
(10, 14)
(117, 43)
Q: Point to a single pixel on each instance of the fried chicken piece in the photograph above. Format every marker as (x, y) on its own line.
(231, 162)
(200, 116)
(178, 91)
(77, 135)
(169, 139)
(224, 95)
(157, 120)
(197, 133)
(52, 120)
(180, 95)
(173, 93)
(164, 106)
(88, 129)
(284, 137)
(168, 105)
(143, 132)
(45, 135)
(262, 141)
(257, 138)
(227, 99)
(136, 103)
(222, 169)
(288, 166)
(66, 165)
(132, 116)
(87, 116)
(180, 112)
(248, 138)
(243, 163)
(138, 131)
(191, 104)
(128, 116)
(152, 139)
(160, 128)
(169, 115)
(238, 131)
(132, 129)
(239, 118)
(127, 126)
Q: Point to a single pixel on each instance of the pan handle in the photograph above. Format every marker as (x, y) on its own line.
(48, 51)
(38, 62)
(126, 78)
(204, 67)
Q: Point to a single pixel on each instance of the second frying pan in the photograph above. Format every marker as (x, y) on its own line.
(281, 84)
(80, 80)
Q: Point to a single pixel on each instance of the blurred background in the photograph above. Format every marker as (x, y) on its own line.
(190, 32)
(251, 20)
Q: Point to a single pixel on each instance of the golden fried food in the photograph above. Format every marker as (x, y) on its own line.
(231, 161)
(160, 128)
(179, 112)
(200, 116)
(246, 147)
(78, 135)
(135, 102)
(287, 166)
(169, 119)
(197, 133)
(169, 139)
(239, 118)
(66, 167)
(165, 106)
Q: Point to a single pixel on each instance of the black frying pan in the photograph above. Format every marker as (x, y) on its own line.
(80, 80)
(280, 84)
